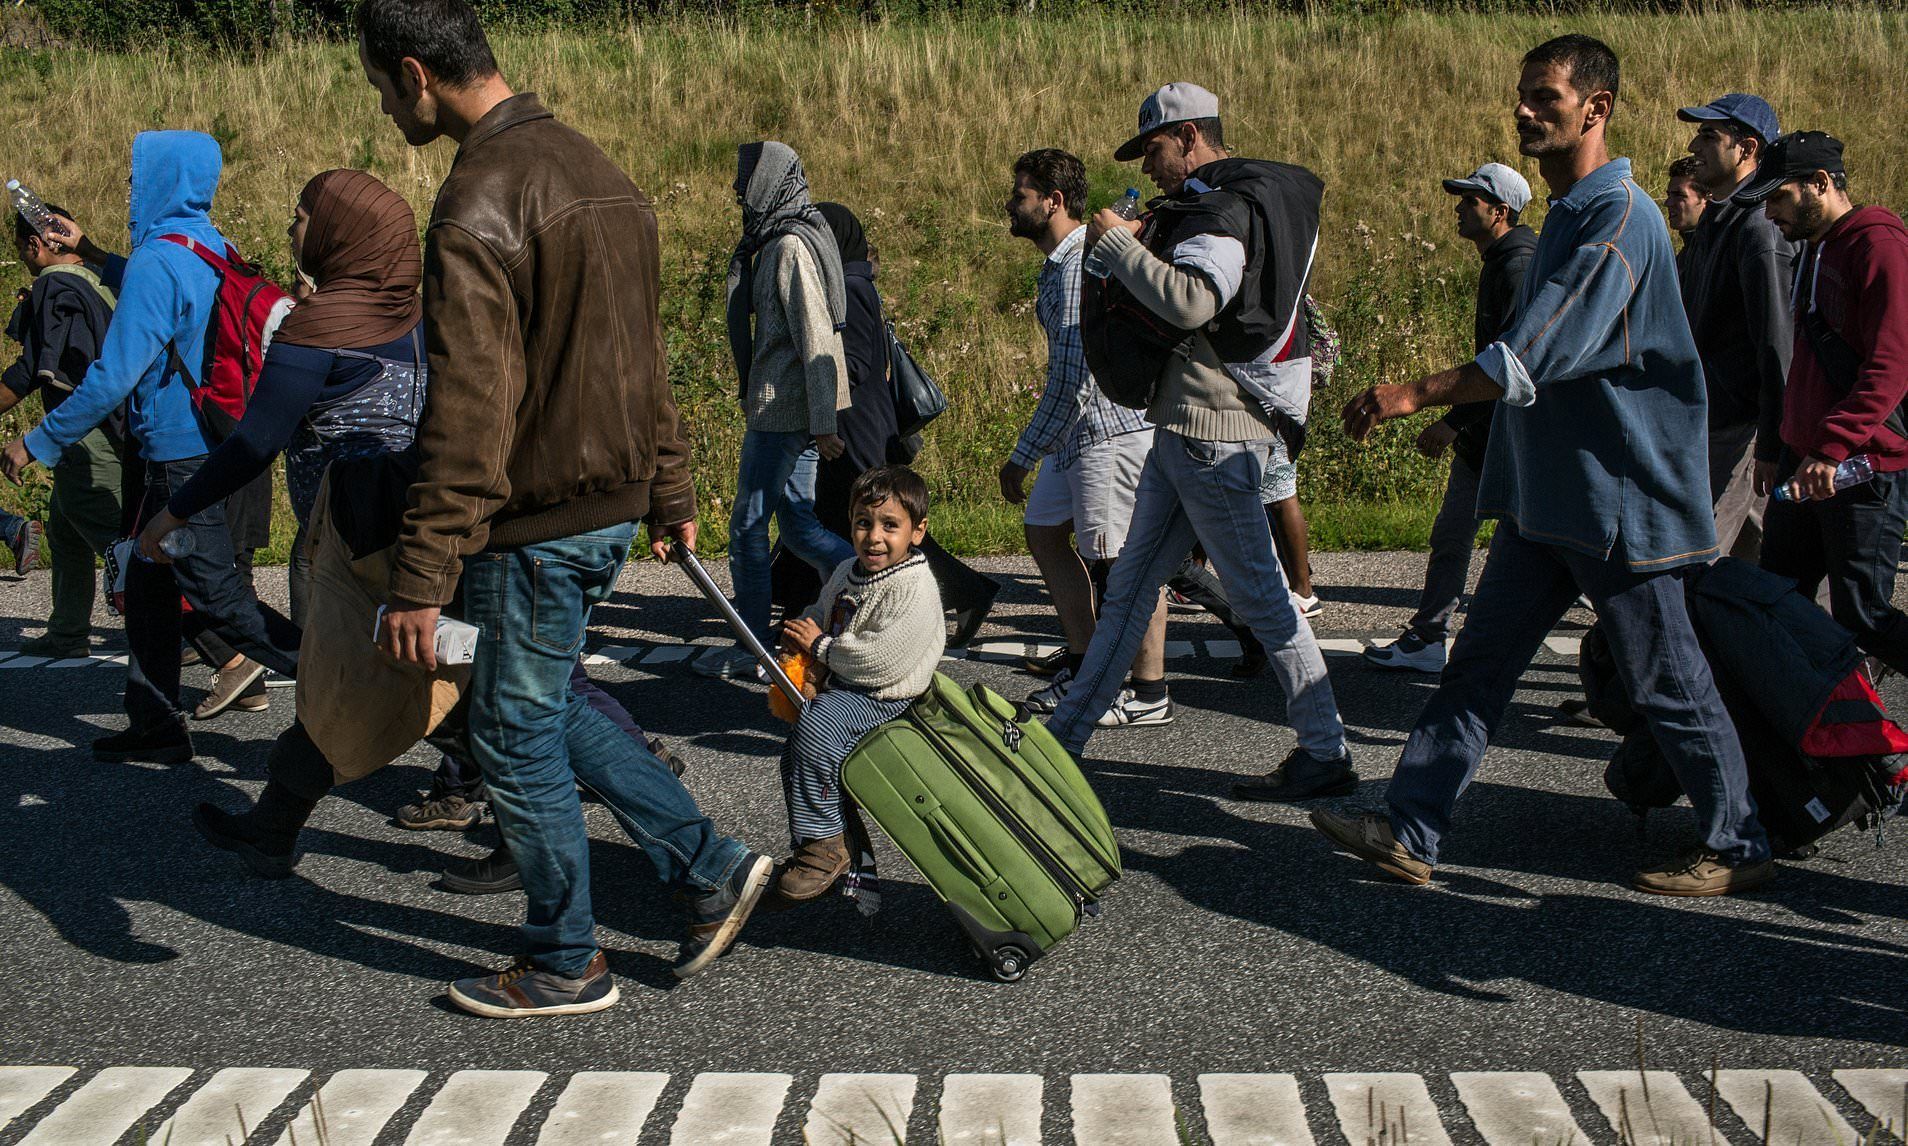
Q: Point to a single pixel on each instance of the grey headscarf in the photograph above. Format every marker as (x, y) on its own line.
(775, 203)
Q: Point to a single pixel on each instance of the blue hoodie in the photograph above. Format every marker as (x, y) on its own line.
(166, 294)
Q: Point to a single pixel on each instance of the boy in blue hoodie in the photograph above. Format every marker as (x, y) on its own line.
(167, 296)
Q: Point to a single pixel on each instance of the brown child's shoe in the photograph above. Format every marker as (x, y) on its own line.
(1703, 872)
(813, 869)
(1369, 838)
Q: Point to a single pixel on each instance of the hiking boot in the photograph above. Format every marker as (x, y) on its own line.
(231, 833)
(968, 621)
(524, 991)
(1301, 776)
(1307, 607)
(25, 544)
(1577, 711)
(715, 919)
(1047, 699)
(1129, 711)
(1702, 872)
(55, 648)
(164, 743)
(236, 687)
(661, 752)
(1048, 665)
(441, 812)
(732, 663)
(490, 875)
(1410, 651)
(813, 869)
(1369, 838)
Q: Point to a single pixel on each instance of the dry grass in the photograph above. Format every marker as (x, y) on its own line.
(916, 126)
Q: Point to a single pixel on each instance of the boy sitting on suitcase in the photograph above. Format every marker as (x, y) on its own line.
(876, 635)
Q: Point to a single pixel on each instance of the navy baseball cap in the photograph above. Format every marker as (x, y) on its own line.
(1796, 155)
(1750, 111)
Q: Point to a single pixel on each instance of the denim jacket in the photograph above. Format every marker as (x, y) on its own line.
(1603, 430)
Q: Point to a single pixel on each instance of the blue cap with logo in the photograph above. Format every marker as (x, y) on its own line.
(1750, 111)
(1496, 182)
(1174, 103)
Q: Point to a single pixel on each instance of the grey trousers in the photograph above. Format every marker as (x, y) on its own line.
(1453, 538)
(1732, 490)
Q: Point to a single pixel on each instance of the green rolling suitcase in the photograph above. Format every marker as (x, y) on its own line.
(996, 816)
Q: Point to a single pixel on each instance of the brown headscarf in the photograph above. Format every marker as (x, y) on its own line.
(361, 246)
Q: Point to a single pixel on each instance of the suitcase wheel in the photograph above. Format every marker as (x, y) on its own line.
(1008, 963)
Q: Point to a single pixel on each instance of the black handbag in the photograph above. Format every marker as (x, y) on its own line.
(918, 399)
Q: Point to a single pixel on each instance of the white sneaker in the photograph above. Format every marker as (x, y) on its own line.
(1048, 699)
(1129, 711)
(1408, 652)
(728, 664)
(276, 679)
(1307, 606)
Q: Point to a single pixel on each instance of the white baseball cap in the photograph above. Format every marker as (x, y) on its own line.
(1174, 103)
(1495, 182)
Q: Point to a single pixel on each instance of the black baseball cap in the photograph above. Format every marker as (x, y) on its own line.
(1796, 155)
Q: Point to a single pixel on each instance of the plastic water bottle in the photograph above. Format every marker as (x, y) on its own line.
(29, 206)
(1852, 472)
(1126, 208)
(179, 543)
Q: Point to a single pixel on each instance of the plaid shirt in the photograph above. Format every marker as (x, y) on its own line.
(1073, 416)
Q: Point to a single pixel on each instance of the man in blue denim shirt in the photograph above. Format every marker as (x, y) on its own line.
(1599, 480)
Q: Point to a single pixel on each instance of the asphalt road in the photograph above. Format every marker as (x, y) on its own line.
(1238, 942)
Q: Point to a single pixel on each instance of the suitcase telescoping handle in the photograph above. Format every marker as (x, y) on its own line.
(686, 557)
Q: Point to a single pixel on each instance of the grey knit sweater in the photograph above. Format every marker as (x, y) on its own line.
(799, 377)
(896, 630)
(1197, 397)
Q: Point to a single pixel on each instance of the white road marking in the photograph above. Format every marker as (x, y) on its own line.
(1124, 1110)
(1385, 1108)
(991, 1109)
(108, 1106)
(1783, 1102)
(602, 1106)
(1648, 1110)
(1516, 1108)
(23, 1086)
(1254, 1110)
(354, 1105)
(725, 1109)
(858, 1109)
(1883, 1093)
(229, 1106)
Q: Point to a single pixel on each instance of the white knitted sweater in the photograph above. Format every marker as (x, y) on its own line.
(799, 377)
(895, 631)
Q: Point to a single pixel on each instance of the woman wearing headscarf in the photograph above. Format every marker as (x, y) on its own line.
(871, 437)
(787, 304)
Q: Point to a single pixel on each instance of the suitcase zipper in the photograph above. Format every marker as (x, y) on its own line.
(1074, 889)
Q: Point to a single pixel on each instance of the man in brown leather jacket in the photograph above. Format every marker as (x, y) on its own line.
(548, 432)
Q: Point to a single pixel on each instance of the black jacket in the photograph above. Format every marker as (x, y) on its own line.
(867, 427)
(1735, 285)
(60, 325)
(1498, 283)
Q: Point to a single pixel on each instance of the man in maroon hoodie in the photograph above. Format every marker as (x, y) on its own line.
(1847, 380)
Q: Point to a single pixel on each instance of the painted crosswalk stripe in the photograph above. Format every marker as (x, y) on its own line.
(1784, 1104)
(1564, 646)
(1517, 1107)
(1224, 650)
(602, 1106)
(354, 1105)
(664, 654)
(1254, 1110)
(731, 1109)
(1385, 1108)
(108, 1106)
(1124, 1110)
(476, 1108)
(991, 1109)
(23, 662)
(1341, 646)
(853, 1109)
(1648, 1109)
(1883, 1093)
(22, 1086)
(226, 1108)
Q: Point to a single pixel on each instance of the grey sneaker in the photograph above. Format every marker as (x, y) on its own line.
(234, 688)
(716, 919)
(1410, 651)
(1048, 697)
(728, 664)
(523, 990)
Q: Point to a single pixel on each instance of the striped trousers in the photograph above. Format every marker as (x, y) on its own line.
(830, 727)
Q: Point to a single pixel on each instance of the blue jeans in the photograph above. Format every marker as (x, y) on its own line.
(536, 739)
(1525, 590)
(776, 478)
(1205, 491)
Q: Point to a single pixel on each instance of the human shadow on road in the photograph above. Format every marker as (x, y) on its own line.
(1470, 930)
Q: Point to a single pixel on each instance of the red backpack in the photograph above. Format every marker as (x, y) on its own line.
(245, 313)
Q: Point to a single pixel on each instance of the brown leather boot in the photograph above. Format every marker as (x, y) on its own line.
(813, 869)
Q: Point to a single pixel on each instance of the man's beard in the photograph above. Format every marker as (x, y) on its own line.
(1022, 227)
